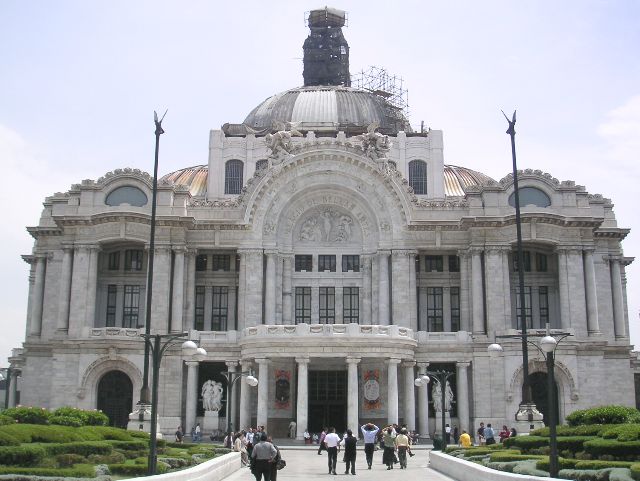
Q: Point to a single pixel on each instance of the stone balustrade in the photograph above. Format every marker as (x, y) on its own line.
(328, 330)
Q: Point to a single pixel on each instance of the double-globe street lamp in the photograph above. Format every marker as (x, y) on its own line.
(232, 377)
(158, 344)
(442, 378)
(547, 347)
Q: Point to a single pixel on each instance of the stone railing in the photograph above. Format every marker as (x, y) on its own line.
(328, 330)
(215, 469)
(439, 337)
(462, 470)
(110, 332)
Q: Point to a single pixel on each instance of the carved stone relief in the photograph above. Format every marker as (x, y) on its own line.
(327, 224)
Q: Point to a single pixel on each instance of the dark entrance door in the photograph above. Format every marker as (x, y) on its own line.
(538, 382)
(327, 400)
(115, 397)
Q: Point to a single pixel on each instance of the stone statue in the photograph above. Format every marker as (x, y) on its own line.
(436, 393)
(212, 395)
(375, 145)
(448, 397)
(280, 142)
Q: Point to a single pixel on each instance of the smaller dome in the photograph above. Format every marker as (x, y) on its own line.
(194, 178)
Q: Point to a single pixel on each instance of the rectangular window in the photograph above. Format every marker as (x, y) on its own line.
(543, 302)
(201, 262)
(527, 307)
(304, 263)
(435, 320)
(526, 259)
(350, 305)
(131, 306)
(418, 264)
(454, 264)
(199, 313)
(133, 260)
(303, 305)
(541, 262)
(221, 262)
(114, 261)
(455, 309)
(350, 263)
(219, 308)
(327, 305)
(237, 267)
(433, 263)
(112, 293)
(326, 263)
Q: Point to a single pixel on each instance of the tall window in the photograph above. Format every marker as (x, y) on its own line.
(221, 262)
(350, 263)
(303, 305)
(326, 263)
(454, 264)
(133, 260)
(435, 321)
(350, 305)
(527, 307)
(131, 306)
(543, 304)
(112, 293)
(199, 313)
(418, 176)
(304, 263)
(233, 177)
(114, 261)
(433, 263)
(219, 308)
(327, 305)
(526, 260)
(541, 262)
(455, 308)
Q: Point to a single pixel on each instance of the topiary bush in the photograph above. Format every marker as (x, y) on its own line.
(604, 415)
(7, 440)
(4, 420)
(25, 455)
(83, 448)
(612, 447)
(622, 432)
(506, 457)
(584, 430)
(635, 471)
(573, 444)
(135, 469)
(78, 471)
(68, 460)
(65, 421)
(599, 464)
(563, 463)
(28, 415)
(526, 443)
(84, 417)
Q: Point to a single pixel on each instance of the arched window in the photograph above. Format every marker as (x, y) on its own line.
(530, 196)
(262, 164)
(418, 176)
(126, 194)
(233, 177)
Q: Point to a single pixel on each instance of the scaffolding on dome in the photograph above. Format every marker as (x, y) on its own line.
(378, 81)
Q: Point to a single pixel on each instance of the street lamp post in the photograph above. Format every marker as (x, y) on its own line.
(232, 377)
(441, 377)
(158, 344)
(547, 347)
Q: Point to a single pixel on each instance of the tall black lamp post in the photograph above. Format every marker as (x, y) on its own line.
(232, 377)
(441, 377)
(158, 345)
(547, 347)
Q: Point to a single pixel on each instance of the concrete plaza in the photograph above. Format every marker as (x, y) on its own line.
(306, 464)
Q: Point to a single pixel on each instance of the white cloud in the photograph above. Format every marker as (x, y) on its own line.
(621, 130)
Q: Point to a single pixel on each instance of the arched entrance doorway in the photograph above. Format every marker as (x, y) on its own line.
(115, 397)
(539, 394)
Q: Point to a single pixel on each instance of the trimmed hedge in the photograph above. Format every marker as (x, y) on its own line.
(585, 430)
(622, 432)
(79, 471)
(65, 421)
(563, 463)
(135, 469)
(612, 447)
(129, 445)
(68, 460)
(21, 455)
(526, 442)
(7, 440)
(506, 457)
(573, 443)
(604, 415)
(599, 464)
(86, 418)
(4, 420)
(28, 415)
(81, 448)
(635, 470)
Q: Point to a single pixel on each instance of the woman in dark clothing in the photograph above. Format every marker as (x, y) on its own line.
(274, 464)
(389, 453)
(349, 443)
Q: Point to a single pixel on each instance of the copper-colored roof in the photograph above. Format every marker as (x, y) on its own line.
(455, 179)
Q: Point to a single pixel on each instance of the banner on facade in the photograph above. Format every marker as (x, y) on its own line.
(371, 390)
(283, 389)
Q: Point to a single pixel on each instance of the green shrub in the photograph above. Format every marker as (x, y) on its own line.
(604, 415)
(65, 421)
(175, 463)
(4, 420)
(7, 440)
(129, 445)
(507, 466)
(506, 457)
(68, 460)
(635, 471)
(135, 469)
(21, 455)
(114, 458)
(563, 463)
(28, 415)
(85, 418)
(599, 464)
(79, 471)
(573, 444)
(528, 467)
(584, 430)
(581, 475)
(617, 449)
(526, 443)
(83, 448)
(622, 432)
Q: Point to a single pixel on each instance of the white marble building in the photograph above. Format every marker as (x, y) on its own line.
(334, 265)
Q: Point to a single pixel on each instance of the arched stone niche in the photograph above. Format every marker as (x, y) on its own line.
(88, 390)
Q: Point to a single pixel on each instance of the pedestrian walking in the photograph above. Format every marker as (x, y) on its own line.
(262, 457)
(370, 435)
(389, 453)
(403, 445)
(332, 441)
(349, 443)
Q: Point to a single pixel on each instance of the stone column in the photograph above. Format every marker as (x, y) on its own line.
(563, 287)
(401, 288)
(302, 405)
(577, 305)
(245, 399)
(79, 280)
(253, 276)
(270, 288)
(353, 399)
(423, 404)
(190, 297)
(463, 395)
(161, 287)
(383, 288)
(287, 294)
(593, 326)
(242, 279)
(177, 303)
(232, 366)
(618, 299)
(409, 395)
(496, 290)
(392, 391)
(192, 395)
(37, 299)
(65, 289)
(13, 389)
(506, 297)
(465, 315)
(92, 286)
(413, 293)
(263, 392)
(476, 292)
(365, 268)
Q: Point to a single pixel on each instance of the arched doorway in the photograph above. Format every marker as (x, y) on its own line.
(538, 383)
(115, 397)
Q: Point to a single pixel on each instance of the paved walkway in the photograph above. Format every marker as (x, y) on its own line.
(306, 464)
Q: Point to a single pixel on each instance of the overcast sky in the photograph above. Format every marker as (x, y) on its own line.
(79, 82)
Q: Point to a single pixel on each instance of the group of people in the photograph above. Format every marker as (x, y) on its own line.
(487, 435)
(258, 451)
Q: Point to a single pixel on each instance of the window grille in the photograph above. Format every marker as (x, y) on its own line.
(350, 263)
(350, 305)
(233, 177)
(455, 308)
(112, 294)
(303, 305)
(201, 262)
(133, 260)
(221, 262)
(435, 321)
(418, 176)
(327, 306)
(326, 263)
(220, 308)
(304, 263)
(114, 261)
(199, 309)
(131, 306)
(433, 263)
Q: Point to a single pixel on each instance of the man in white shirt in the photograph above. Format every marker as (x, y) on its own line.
(370, 434)
(332, 440)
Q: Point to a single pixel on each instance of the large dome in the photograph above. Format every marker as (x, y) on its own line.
(328, 108)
